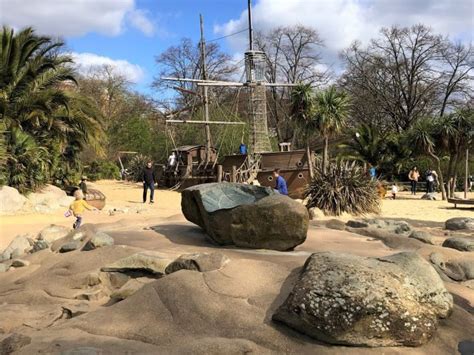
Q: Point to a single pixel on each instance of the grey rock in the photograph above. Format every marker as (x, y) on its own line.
(246, 215)
(430, 197)
(460, 223)
(335, 224)
(52, 233)
(71, 246)
(459, 269)
(3, 267)
(99, 240)
(460, 243)
(351, 300)
(20, 263)
(148, 261)
(466, 347)
(16, 248)
(422, 236)
(202, 262)
(397, 227)
(437, 259)
(357, 224)
(39, 245)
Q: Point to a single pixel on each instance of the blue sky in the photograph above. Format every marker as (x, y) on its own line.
(130, 33)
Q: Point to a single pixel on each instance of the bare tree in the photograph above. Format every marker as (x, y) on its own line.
(184, 61)
(293, 55)
(399, 71)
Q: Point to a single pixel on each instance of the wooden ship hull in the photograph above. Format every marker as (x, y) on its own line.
(191, 169)
(293, 167)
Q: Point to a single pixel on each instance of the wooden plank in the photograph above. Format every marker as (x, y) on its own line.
(205, 122)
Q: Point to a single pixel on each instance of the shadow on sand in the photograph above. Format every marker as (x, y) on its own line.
(184, 234)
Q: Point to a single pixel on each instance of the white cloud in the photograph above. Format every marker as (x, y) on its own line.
(74, 17)
(139, 20)
(340, 22)
(85, 62)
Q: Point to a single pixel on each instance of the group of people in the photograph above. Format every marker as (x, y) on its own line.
(431, 177)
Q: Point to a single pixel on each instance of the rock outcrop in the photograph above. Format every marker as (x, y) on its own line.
(460, 223)
(246, 215)
(351, 300)
(460, 243)
(53, 233)
(99, 240)
(17, 247)
(148, 261)
(202, 262)
(11, 200)
(422, 236)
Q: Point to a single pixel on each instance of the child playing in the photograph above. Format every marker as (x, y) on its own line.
(78, 206)
(394, 191)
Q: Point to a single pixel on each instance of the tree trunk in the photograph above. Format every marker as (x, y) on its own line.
(325, 154)
(310, 160)
(440, 175)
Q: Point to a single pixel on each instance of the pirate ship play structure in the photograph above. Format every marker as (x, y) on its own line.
(199, 164)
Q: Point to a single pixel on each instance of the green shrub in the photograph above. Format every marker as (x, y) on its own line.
(344, 188)
(136, 166)
(101, 169)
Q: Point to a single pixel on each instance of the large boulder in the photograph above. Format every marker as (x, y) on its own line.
(48, 199)
(460, 243)
(53, 233)
(17, 247)
(246, 215)
(11, 200)
(352, 300)
(99, 240)
(422, 236)
(460, 223)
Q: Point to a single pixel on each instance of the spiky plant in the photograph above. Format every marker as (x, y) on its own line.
(137, 164)
(345, 187)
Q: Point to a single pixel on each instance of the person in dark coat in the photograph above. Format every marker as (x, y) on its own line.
(83, 185)
(149, 180)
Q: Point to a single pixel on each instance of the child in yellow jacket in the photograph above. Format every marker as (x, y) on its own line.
(78, 206)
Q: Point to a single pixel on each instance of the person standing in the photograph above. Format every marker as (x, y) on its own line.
(413, 176)
(280, 182)
(83, 185)
(149, 181)
(431, 178)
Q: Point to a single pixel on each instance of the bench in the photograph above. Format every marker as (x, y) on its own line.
(458, 201)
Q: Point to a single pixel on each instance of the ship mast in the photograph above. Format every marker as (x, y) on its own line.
(255, 62)
(205, 89)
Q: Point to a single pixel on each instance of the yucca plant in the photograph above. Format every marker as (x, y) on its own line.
(136, 166)
(344, 187)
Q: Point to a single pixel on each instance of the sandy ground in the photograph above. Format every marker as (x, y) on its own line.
(227, 311)
(127, 195)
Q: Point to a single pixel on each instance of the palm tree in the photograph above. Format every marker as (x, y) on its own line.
(39, 103)
(423, 137)
(331, 112)
(365, 145)
(302, 111)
